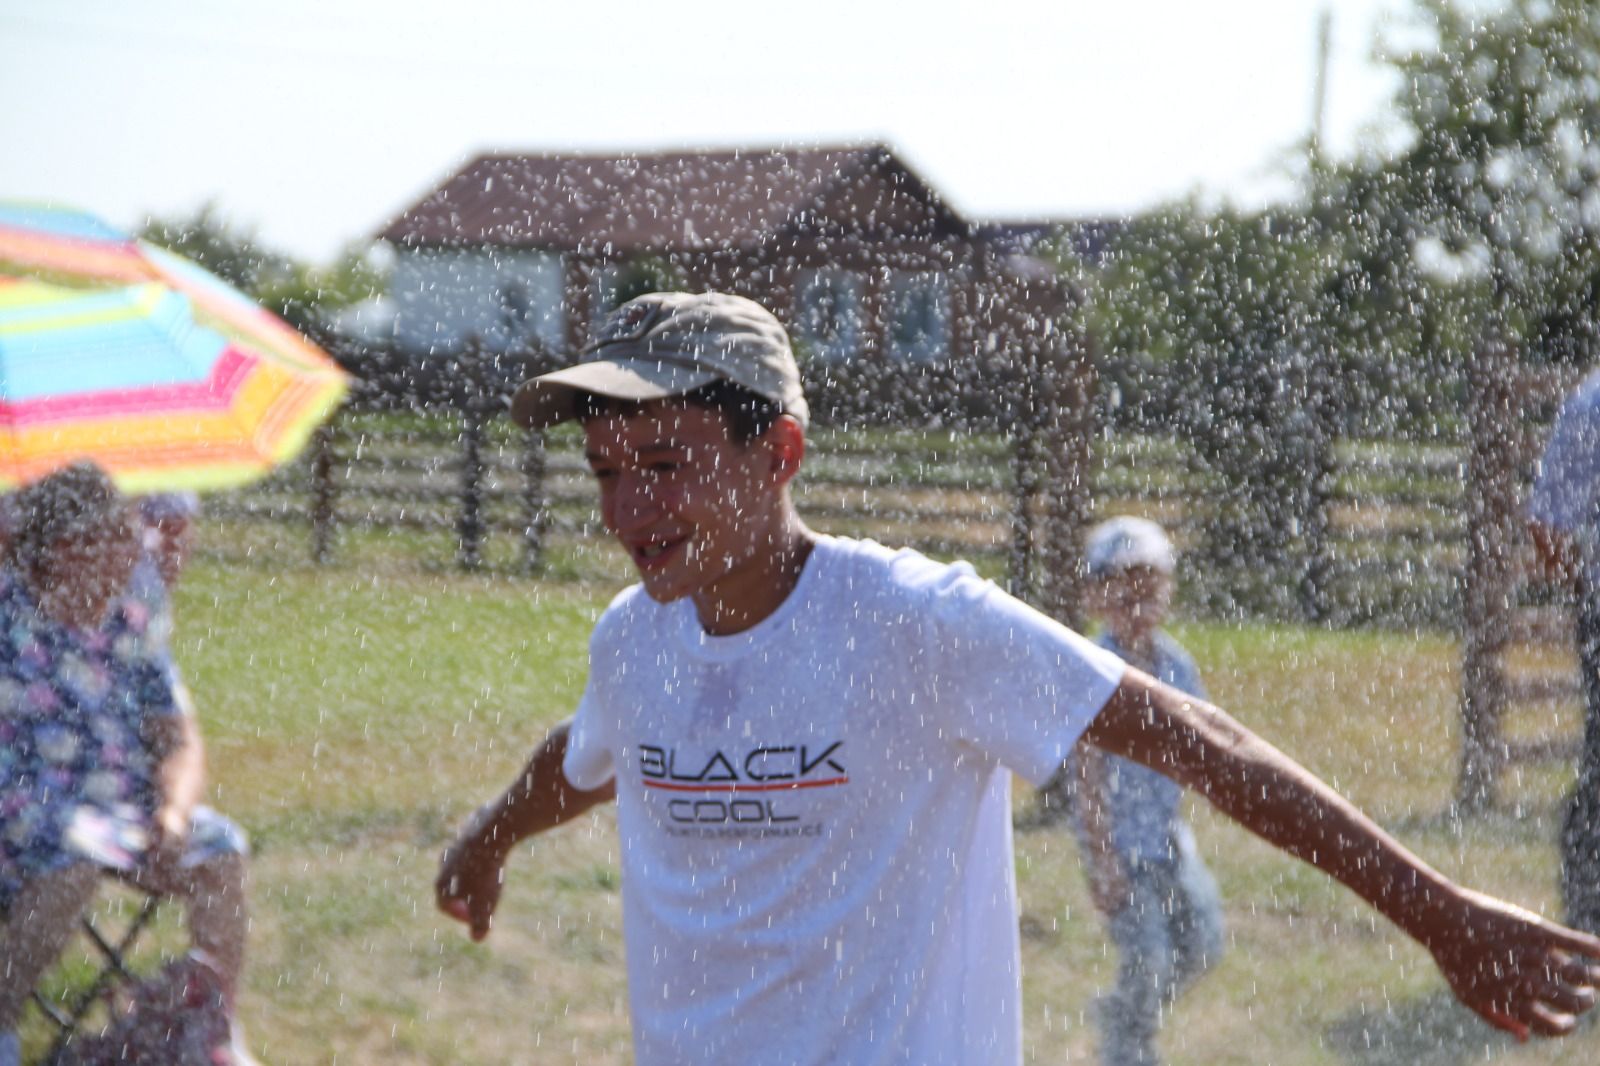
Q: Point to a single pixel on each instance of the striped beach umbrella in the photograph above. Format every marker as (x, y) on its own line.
(115, 350)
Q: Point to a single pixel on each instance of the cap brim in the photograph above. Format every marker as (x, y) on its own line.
(550, 399)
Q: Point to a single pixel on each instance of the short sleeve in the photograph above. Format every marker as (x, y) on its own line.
(156, 690)
(591, 739)
(1008, 680)
(148, 671)
(589, 762)
(1567, 489)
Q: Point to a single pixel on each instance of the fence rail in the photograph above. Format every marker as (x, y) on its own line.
(1392, 552)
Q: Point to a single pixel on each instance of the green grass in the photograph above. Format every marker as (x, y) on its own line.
(355, 714)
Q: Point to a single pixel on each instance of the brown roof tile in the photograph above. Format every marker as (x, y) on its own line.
(634, 202)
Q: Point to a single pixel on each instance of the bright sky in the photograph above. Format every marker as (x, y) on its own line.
(315, 121)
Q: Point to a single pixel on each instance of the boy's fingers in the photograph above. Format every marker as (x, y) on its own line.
(482, 918)
(1570, 999)
(1548, 1022)
(1579, 943)
(1507, 1023)
(1578, 972)
(457, 909)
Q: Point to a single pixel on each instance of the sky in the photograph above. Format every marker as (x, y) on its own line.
(314, 122)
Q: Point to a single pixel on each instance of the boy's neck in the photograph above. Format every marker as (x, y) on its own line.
(750, 595)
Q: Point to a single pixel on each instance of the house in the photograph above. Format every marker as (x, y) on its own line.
(861, 259)
(902, 311)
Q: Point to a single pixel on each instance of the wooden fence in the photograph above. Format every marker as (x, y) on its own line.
(1395, 541)
(483, 480)
(1410, 535)
(1415, 535)
(1519, 678)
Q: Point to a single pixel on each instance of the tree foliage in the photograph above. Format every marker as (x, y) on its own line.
(1491, 211)
(305, 294)
(1211, 326)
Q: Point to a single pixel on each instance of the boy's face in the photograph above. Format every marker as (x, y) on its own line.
(695, 510)
(1134, 601)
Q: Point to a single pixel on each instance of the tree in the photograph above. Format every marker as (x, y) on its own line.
(305, 294)
(1494, 204)
(1212, 326)
(211, 240)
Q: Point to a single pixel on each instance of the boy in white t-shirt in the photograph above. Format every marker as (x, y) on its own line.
(810, 740)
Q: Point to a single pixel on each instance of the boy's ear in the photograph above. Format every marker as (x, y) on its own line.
(786, 444)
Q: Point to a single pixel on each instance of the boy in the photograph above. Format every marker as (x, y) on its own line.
(1145, 875)
(810, 738)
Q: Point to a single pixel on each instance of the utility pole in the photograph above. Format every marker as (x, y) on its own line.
(1319, 92)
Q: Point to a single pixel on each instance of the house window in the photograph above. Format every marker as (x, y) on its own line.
(828, 315)
(525, 304)
(615, 284)
(444, 297)
(919, 318)
(516, 309)
(604, 285)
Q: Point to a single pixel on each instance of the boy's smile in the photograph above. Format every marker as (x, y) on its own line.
(699, 514)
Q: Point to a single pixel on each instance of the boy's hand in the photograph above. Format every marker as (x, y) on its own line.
(473, 868)
(1519, 972)
(471, 873)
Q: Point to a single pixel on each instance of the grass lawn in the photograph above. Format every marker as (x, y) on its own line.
(355, 714)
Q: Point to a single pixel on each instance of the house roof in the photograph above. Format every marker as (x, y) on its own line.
(651, 202)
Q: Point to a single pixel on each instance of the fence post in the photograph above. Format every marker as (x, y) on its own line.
(1053, 458)
(470, 525)
(469, 389)
(1066, 392)
(1316, 530)
(1491, 503)
(323, 494)
(1316, 504)
(534, 511)
(1025, 487)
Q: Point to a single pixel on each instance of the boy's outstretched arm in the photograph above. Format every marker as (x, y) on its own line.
(473, 867)
(1518, 971)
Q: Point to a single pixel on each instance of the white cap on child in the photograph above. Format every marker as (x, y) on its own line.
(1125, 541)
(160, 506)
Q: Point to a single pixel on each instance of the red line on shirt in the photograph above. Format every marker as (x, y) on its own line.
(782, 786)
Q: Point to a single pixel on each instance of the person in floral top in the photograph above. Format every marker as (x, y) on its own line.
(101, 765)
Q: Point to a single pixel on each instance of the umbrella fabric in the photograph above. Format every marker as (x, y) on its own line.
(115, 349)
(125, 376)
(71, 248)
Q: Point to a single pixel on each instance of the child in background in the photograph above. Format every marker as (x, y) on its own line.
(167, 535)
(1158, 898)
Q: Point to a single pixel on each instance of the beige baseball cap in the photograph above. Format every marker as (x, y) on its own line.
(666, 344)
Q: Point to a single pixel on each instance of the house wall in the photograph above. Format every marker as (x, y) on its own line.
(505, 298)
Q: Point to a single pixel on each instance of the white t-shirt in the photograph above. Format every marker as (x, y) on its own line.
(815, 813)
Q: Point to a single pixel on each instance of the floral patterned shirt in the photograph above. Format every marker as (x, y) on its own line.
(74, 705)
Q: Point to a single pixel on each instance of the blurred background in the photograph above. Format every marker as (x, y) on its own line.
(1304, 281)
